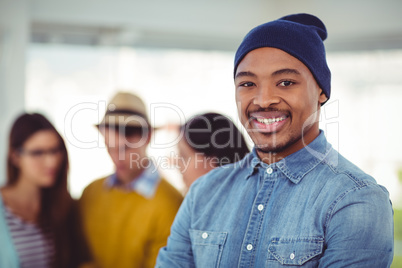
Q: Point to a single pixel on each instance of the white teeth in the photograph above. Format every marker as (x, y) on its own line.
(270, 120)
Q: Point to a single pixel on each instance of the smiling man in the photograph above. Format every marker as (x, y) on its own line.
(278, 102)
(294, 200)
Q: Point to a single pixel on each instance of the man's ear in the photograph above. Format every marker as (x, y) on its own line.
(323, 98)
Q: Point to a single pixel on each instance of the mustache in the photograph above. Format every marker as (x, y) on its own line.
(269, 109)
(247, 124)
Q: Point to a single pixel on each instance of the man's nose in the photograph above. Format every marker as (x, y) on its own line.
(265, 96)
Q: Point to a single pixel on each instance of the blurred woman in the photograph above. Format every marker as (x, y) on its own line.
(38, 223)
(208, 140)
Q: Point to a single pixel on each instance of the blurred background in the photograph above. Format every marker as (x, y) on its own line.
(66, 59)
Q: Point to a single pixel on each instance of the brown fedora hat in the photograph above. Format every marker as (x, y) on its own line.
(125, 109)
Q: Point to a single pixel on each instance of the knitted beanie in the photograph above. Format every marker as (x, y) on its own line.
(300, 35)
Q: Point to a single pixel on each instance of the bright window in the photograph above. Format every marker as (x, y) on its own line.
(71, 85)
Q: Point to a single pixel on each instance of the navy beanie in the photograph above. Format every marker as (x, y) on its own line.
(300, 35)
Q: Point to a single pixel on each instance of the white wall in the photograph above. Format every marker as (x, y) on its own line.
(14, 23)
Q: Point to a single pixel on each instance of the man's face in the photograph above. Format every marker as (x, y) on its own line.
(127, 152)
(278, 101)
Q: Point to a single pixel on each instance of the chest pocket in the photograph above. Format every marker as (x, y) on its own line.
(295, 251)
(207, 247)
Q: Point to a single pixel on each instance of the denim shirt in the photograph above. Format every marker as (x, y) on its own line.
(145, 184)
(311, 209)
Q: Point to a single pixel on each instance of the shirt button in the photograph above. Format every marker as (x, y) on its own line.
(249, 247)
(292, 256)
(260, 207)
(204, 235)
(269, 170)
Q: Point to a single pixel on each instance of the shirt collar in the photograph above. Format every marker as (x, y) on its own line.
(251, 161)
(298, 164)
(145, 184)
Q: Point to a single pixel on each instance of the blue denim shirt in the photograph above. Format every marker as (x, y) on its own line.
(311, 209)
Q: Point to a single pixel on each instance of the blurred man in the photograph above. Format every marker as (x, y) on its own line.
(127, 215)
(294, 200)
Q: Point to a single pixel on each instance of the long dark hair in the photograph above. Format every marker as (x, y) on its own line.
(215, 135)
(56, 202)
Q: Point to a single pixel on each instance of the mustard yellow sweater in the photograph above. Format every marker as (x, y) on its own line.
(125, 229)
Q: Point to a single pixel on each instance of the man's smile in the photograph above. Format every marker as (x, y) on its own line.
(268, 122)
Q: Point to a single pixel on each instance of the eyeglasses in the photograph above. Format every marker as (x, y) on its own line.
(39, 153)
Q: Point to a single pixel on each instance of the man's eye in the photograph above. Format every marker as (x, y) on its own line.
(285, 83)
(247, 84)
